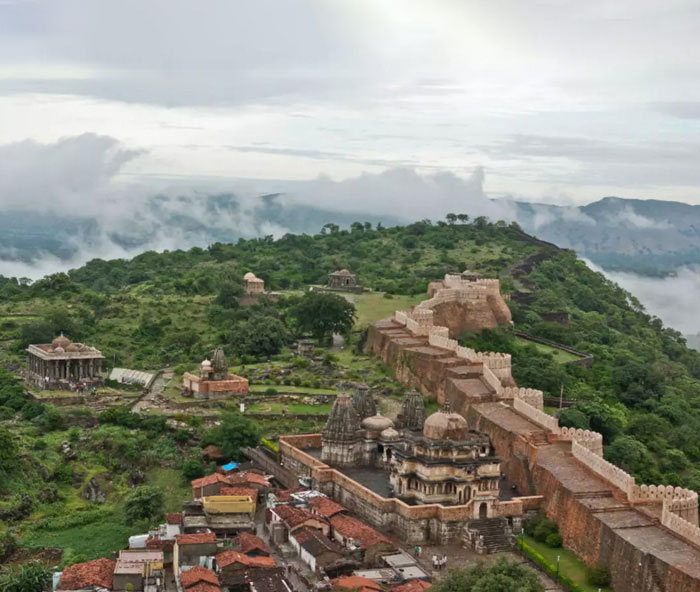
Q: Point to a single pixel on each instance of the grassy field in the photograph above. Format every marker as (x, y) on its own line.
(569, 565)
(261, 388)
(293, 408)
(174, 486)
(373, 306)
(559, 355)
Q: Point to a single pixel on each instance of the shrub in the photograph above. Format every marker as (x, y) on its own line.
(271, 391)
(553, 540)
(598, 576)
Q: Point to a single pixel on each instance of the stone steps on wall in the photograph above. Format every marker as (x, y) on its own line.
(493, 533)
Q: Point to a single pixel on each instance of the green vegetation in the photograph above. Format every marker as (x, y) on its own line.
(502, 576)
(33, 577)
(171, 310)
(322, 315)
(570, 571)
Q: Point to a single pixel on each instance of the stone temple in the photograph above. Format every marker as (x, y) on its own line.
(56, 365)
(433, 460)
(214, 380)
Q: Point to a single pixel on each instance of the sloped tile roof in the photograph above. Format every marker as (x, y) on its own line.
(249, 542)
(229, 557)
(352, 528)
(198, 574)
(355, 583)
(210, 480)
(325, 506)
(411, 586)
(174, 518)
(196, 538)
(228, 490)
(294, 516)
(99, 572)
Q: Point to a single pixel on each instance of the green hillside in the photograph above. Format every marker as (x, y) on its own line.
(169, 310)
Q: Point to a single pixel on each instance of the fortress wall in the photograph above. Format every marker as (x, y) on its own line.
(532, 397)
(604, 469)
(539, 417)
(586, 438)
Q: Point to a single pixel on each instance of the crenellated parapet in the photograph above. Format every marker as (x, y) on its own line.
(604, 469)
(532, 397)
(586, 438)
(542, 419)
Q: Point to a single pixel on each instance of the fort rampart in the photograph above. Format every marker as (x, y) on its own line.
(646, 535)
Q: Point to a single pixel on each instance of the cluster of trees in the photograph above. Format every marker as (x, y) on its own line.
(502, 576)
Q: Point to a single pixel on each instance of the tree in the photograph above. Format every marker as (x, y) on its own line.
(323, 314)
(31, 577)
(192, 468)
(463, 218)
(503, 576)
(144, 503)
(451, 218)
(228, 295)
(574, 418)
(260, 335)
(233, 433)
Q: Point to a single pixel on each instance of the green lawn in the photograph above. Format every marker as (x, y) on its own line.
(293, 408)
(283, 388)
(174, 486)
(569, 565)
(373, 306)
(559, 355)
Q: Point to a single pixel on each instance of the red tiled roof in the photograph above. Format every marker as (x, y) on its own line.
(293, 516)
(352, 528)
(412, 586)
(249, 542)
(229, 557)
(252, 492)
(196, 539)
(99, 572)
(198, 574)
(355, 583)
(204, 587)
(162, 544)
(249, 477)
(285, 495)
(325, 506)
(174, 518)
(210, 480)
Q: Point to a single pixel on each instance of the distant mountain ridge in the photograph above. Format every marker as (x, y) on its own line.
(648, 237)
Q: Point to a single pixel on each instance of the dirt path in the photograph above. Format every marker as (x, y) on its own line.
(156, 389)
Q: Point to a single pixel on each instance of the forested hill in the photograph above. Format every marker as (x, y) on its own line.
(643, 392)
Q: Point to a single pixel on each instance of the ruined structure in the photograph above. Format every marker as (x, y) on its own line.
(57, 365)
(253, 285)
(363, 401)
(214, 380)
(344, 281)
(647, 536)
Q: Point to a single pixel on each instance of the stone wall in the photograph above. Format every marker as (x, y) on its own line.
(541, 418)
(586, 438)
(532, 397)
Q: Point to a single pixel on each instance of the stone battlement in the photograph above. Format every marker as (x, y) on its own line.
(532, 397)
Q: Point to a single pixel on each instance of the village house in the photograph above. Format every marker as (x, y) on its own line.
(292, 518)
(355, 584)
(250, 492)
(353, 534)
(234, 568)
(268, 580)
(251, 545)
(315, 549)
(343, 280)
(89, 575)
(192, 550)
(199, 579)
(411, 586)
(251, 479)
(325, 507)
(224, 515)
(209, 485)
(137, 567)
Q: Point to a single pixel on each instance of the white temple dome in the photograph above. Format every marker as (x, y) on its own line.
(250, 276)
(445, 425)
(389, 434)
(206, 363)
(377, 423)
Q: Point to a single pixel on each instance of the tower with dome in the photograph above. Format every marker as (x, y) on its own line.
(214, 381)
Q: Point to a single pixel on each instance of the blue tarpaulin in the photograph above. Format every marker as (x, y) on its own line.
(230, 466)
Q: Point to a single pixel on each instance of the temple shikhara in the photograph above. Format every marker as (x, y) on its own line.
(62, 363)
(214, 380)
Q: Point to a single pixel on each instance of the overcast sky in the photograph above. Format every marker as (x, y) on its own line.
(558, 100)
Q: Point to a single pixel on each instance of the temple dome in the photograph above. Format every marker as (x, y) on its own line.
(206, 363)
(73, 347)
(249, 276)
(59, 350)
(377, 423)
(389, 434)
(445, 425)
(61, 341)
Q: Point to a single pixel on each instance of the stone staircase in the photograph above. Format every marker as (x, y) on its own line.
(538, 438)
(489, 535)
